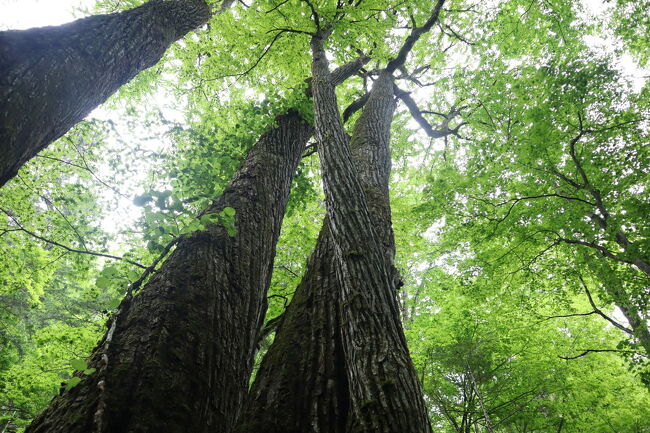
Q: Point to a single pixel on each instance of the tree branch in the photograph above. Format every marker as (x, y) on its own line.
(65, 247)
(404, 51)
(588, 351)
(355, 106)
(443, 130)
(599, 312)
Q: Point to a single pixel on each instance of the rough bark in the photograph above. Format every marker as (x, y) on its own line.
(301, 386)
(180, 354)
(303, 376)
(385, 395)
(52, 77)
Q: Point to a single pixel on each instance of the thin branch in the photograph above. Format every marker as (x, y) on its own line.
(288, 30)
(49, 202)
(598, 310)
(588, 351)
(277, 6)
(562, 316)
(404, 51)
(443, 129)
(65, 247)
(355, 106)
(453, 34)
(259, 59)
(604, 251)
(86, 168)
(314, 14)
(310, 150)
(150, 269)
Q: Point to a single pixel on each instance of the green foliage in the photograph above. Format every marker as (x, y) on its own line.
(495, 227)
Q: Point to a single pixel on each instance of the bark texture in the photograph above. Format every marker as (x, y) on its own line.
(385, 395)
(303, 376)
(181, 351)
(52, 77)
(301, 386)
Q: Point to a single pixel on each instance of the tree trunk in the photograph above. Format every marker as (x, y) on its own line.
(52, 77)
(302, 383)
(384, 393)
(180, 354)
(301, 386)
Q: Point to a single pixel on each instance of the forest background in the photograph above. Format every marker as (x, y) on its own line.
(522, 310)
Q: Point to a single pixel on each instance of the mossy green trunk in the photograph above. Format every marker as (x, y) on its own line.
(52, 77)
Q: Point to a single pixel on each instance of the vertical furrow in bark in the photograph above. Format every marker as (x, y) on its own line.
(52, 77)
(182, 349)
(385, 395)
(301, 386)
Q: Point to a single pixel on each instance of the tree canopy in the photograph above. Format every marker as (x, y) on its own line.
(518, 196)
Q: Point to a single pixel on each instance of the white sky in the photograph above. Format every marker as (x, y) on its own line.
(23, 14)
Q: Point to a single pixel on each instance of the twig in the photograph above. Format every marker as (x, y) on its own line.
(588, 351)
(599, 312)
(67, 248)
(399, 60)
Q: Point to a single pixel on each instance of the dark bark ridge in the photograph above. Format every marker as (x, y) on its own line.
(302, 376)
(52, 77)
(381, 376)
(180, 355)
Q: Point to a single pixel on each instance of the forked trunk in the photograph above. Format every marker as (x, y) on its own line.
(385, 395)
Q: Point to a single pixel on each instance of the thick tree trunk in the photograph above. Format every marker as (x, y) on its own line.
(52, 77)
(385, 395)
(301, 386)
(180, 355)
(302, 383)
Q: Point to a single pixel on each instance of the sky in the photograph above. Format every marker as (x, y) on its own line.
(23, 14)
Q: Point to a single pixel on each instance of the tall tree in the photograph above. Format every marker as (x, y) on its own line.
(160, 367)
(178, 355)
(304, 375)
(52, 77)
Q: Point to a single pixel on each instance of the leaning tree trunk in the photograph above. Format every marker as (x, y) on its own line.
(180, 354)
(385, 395)
(52, 77)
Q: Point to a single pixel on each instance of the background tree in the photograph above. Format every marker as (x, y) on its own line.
(52, 77)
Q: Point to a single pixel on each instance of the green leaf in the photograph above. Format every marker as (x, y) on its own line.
(133, 275)
(113, 303)
(229, 211)
(90, 370)
(78, 364)
(72, 382)
(103, 282)
(209, 218)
